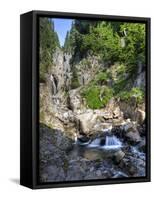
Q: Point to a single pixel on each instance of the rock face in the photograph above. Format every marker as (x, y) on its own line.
(75, 102)
(69, 122)
(133, 136)
(87, 68)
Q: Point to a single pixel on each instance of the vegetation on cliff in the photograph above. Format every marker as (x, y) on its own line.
(48, 42)
(119, 46)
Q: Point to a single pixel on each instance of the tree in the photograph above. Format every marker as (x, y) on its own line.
(48, 43)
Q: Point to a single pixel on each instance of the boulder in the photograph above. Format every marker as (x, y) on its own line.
(116, 112)
(118, 156)
(107, 115)
(133, 136)
(85, 121)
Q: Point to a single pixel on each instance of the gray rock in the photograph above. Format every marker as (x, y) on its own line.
(118, 156)
(133, 136)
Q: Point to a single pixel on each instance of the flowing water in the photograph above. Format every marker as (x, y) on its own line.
(96, 149)
(111, 142)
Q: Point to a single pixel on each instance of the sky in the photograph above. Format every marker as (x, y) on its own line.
(61, 27)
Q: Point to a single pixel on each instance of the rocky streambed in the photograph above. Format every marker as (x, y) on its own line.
(106, 155)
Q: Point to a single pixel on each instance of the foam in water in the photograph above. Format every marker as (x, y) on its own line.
(112, 142)
(95, 143)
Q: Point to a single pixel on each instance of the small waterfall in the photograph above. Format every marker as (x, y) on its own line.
(75, 138)
(54, 88)
(112, 142)
(95, 143)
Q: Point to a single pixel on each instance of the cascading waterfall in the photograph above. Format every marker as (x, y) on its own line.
(54, 88)
(112, 142)
(95, 143)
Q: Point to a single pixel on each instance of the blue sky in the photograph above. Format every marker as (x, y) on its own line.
(61, 27)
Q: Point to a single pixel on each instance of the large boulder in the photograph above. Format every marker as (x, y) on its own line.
(118, 156)
(85, 121)
(133, 136)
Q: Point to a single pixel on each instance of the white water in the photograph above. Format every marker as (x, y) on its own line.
(95, 143)
(138, 153)
(112, 142)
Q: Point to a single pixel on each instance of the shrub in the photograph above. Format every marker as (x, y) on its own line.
(101, 78)
(97, 97)
(106, 94)
(135, 92)
(92, 96)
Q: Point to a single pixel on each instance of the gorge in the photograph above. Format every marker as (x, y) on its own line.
(92, 117)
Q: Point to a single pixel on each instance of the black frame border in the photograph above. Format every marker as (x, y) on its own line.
(35, 184)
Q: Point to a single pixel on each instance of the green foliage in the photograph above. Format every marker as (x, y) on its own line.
(97, 97)
(103, 41)
(120, 79)
(135, 92)
(101, 78)
(113, 41)
(106, 94)
(48, 43)
(120, 44)
(92, 96)
(134, 50)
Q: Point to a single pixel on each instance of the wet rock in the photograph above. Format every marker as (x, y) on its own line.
(142, 145)
(120, 175)
(133, 136)
(118, 156)
(133, 166)
(85, 121)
